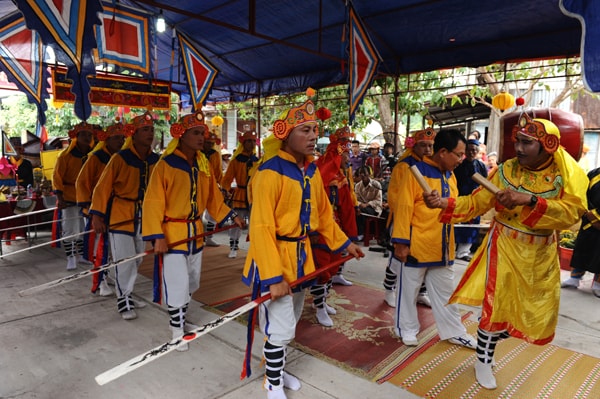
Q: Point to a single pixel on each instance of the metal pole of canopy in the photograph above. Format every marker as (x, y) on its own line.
(396, 141)
(258, 121)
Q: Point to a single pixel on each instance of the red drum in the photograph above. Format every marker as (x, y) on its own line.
(569, 124)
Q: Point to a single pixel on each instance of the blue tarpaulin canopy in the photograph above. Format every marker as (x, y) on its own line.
(265, 47)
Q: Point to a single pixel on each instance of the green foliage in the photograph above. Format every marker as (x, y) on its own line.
(17, 115)
(567, 238)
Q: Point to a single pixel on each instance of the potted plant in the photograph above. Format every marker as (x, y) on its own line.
(566, 244)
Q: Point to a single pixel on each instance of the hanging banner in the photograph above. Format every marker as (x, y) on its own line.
(363, 61)
(123, 38)
(21, 58)
(116, 90)
(199, 72)
(587, 12)
(68, 27)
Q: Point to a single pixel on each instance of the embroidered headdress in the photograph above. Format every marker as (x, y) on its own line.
(339, 141)
(84, 127)
(178, 128)
(296, 116)
(188, 122)
(542, 130)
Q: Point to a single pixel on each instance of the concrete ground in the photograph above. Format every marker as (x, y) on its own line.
(55, 342)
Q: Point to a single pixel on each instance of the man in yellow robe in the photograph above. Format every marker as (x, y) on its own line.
(109, 142)
(288, 202)
(117, 206)
(181, 188)
(515, 274)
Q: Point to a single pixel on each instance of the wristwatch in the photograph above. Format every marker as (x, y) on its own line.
(533, 201)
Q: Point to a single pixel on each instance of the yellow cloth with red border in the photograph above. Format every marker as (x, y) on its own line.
(515, 272)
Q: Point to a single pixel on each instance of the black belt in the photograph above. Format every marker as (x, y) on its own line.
(291, 239)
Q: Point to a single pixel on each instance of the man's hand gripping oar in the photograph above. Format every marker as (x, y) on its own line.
(110, 265)
(159, 351)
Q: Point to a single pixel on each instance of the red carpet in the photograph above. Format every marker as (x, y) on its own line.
(362, 339)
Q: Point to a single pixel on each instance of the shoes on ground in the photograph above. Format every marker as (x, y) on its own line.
(276, 394)
(210, 242)
(339, 279)
(323, 318)
(189, 326)
(570, 283)
(423, 299)
(390, 298)
(410, 340)
(139, 304)
(465, 340)
(232, 254)
(596, 289)
(178, 334)
(71, 263)
(129, 315)
(83, 261)
(484, 375)
(290, 382)
(105, 290)
(329, 309)
(466, 258)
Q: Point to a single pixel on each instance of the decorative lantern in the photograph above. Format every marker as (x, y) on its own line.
(503, 101)
(217, 120)
(323, 114)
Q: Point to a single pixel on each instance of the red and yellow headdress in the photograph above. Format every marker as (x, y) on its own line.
(296, 116)
(84, 127)
(115, 129)
(542, 130)
(424, 135)
(178, 128)
(340, 140)
(547, 133)
(188, 122)
(420, 135)
(139, 121)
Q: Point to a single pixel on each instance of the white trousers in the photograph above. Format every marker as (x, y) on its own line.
(71, 224)
(440, 285)
(123, 246)
(181, 277)
(278, 318)
(463, 249)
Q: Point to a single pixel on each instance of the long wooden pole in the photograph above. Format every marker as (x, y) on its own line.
(159, 351)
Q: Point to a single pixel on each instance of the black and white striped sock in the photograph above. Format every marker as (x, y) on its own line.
(486, 345)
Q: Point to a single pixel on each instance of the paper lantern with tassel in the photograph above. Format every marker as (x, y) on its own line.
(503, 101)
(323, 114)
